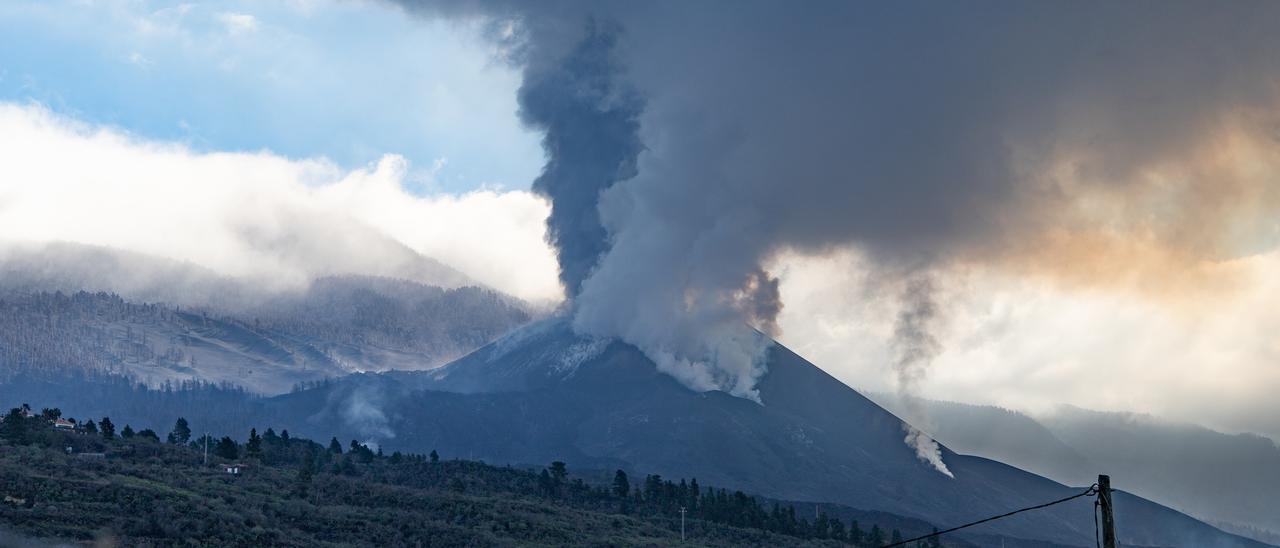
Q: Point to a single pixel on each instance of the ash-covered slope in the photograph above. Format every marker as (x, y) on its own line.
(543, 393)
(333, 328)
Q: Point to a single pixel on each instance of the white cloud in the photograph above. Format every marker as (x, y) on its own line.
(139, 59)
(256, 214)
(238, 23)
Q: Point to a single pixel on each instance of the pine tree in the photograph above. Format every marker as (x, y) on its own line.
(14, 428)
(545, 484)
(435, 457)
(348, 468)
(837, 530)
(621, 485)
(822, 526)
(127, 432)
(90, 427)
(254, 446)
(361, 451)
(108, 429)
(558, 474)
(227, 449)
(896, 537)
(855, 534)
(335, 447)
(876, 537)
(181, 433)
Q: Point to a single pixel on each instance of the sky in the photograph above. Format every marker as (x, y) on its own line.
(1140, 285)
(348, 81)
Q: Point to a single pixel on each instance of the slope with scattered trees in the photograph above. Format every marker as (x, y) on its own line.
(288, 491)
(336, 326)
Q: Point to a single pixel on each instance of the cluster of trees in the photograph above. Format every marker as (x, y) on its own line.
(216, 407)
(742, 510)
(21, 426)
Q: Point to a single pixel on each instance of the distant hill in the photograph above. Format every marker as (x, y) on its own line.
(1222, 477)
(1230, 480)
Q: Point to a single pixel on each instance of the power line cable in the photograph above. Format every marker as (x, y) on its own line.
(1096, 542)
(1092, 490)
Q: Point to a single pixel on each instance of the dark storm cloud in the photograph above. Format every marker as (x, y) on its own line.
(918, 132)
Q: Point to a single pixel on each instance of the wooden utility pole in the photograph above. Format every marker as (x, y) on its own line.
(682, 511)
(1108, 512)
(206, 449)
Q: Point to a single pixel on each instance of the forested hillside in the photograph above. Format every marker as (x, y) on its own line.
(351, 313)
(273, 489)
(337, 326)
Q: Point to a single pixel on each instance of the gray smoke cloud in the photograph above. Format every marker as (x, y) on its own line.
(361, 410)
(919, 133)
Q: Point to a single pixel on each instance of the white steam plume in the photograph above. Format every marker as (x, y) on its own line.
(915, 347)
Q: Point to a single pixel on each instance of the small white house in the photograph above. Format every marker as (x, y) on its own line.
(233, 468)
(64, 424)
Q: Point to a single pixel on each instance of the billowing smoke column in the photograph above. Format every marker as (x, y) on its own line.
(591, 134)
(922, 134)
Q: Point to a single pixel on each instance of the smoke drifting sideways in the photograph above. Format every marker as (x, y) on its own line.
(923, 135)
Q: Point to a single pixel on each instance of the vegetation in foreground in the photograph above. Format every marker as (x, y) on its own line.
(85, 481)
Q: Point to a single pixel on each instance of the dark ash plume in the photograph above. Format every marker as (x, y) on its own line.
(591, 126)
